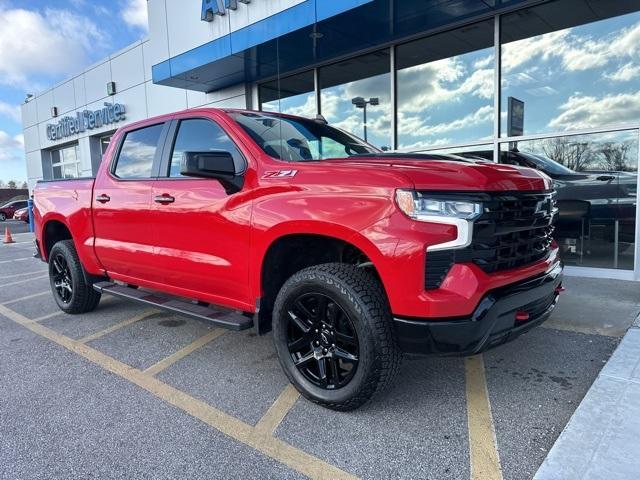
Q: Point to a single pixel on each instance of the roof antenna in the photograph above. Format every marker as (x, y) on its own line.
(320, 119)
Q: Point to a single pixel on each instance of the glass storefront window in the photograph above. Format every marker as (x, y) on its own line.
(596, 180)
(573, 67)
(355, 88)
(445, 86)
(65, 162)
(293, 95)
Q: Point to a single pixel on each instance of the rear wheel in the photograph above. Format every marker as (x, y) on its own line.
(70, 290)
(333, 334)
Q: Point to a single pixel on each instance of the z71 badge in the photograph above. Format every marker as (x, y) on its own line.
(280, 174)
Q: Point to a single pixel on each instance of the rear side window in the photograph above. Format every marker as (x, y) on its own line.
(201, 135)
(137, 152)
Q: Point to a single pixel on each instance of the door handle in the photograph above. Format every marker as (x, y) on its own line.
(103, 198)
(605, 178)
(164, 199)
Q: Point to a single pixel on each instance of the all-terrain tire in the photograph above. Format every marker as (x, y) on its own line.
(82, 298)
(362, 299)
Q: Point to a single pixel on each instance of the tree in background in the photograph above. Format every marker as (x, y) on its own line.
(12, 184)
(615, 156)
(24, 185)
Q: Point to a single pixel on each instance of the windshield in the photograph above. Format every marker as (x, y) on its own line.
(550, 166)
(298, 139)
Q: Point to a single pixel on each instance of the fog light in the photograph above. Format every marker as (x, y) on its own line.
(522, 316)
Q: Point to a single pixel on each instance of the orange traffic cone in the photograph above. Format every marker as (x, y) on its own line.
(7, 236)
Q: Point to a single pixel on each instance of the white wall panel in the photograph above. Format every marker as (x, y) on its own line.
(134, 100)
(44, 102)
(34, 164)
(162, 99)
(64, 98)
(29, 113)
(95, 82)
(157, 49)
(31, 138)
(78, 88)
(127, 69)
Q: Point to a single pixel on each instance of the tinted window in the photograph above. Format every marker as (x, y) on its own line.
(137, 152)
(200, 135)
(356, 84)
(298, 139)
(445, 88)
(293, 95)
(570, 66)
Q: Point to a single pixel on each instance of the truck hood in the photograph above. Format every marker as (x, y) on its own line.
(429, 172)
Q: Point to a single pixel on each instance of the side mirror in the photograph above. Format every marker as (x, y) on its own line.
(213, 164)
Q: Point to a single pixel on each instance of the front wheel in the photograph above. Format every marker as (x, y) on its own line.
(333, 335)
(3, 216)
(70, 290)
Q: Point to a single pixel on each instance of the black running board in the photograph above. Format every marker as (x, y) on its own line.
(219, 317)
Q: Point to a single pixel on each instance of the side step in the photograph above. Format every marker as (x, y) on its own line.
(224, 318)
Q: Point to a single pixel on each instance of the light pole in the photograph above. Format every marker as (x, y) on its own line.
(360, 102)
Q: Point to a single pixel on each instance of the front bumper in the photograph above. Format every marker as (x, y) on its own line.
(492, 323)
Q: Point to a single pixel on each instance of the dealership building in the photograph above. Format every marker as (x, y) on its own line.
(554, 85)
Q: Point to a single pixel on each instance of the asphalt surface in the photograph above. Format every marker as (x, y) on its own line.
(77, 403)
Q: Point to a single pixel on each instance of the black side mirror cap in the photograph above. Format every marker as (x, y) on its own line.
(216, 164)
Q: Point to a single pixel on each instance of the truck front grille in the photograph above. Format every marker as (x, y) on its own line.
(514, 230)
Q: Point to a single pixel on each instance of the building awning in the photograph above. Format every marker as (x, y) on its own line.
(309, 33)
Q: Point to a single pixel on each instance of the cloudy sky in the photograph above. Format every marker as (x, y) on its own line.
(44, 42)
(576, 78)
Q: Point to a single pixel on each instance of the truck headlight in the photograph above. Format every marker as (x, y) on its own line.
(417, 206)
(459, 213)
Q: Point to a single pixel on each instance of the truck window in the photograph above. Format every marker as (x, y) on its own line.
(136, 154)
(200, 135)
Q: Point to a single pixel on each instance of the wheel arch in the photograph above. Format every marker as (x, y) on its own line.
(295, 249)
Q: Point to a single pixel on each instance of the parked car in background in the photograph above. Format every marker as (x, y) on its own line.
(583, 197)
(350, 255)
(9, 209)
(22, 214)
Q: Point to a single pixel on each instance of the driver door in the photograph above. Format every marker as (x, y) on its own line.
(202, 231)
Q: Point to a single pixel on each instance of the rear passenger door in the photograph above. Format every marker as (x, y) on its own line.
(203, 232)
(125, 239)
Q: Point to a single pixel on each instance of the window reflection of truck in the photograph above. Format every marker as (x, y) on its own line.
(584, 198)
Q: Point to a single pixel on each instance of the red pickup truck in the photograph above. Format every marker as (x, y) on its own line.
(350, 255)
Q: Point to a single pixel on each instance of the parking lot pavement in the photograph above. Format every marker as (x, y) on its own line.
(130, 392)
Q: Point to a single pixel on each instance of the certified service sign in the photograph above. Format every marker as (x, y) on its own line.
(87, 120)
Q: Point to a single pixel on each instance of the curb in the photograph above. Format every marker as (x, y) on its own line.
(602, 438)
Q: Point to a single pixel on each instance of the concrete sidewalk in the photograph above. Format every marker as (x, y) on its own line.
(602, 439)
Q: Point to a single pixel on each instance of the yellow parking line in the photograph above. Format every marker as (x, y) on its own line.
(183, 352)
(276, 413)
(117, 326)
(273, 447)
(483, 450)
(23, 281)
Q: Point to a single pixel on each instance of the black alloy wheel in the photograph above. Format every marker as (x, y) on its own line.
(62, 282)
(333, 333)
(71, 286)
(322, 340)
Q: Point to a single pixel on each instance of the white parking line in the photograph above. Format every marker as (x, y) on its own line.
(23, 281)
(15, 300)
(16, 260)
(24, 274)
